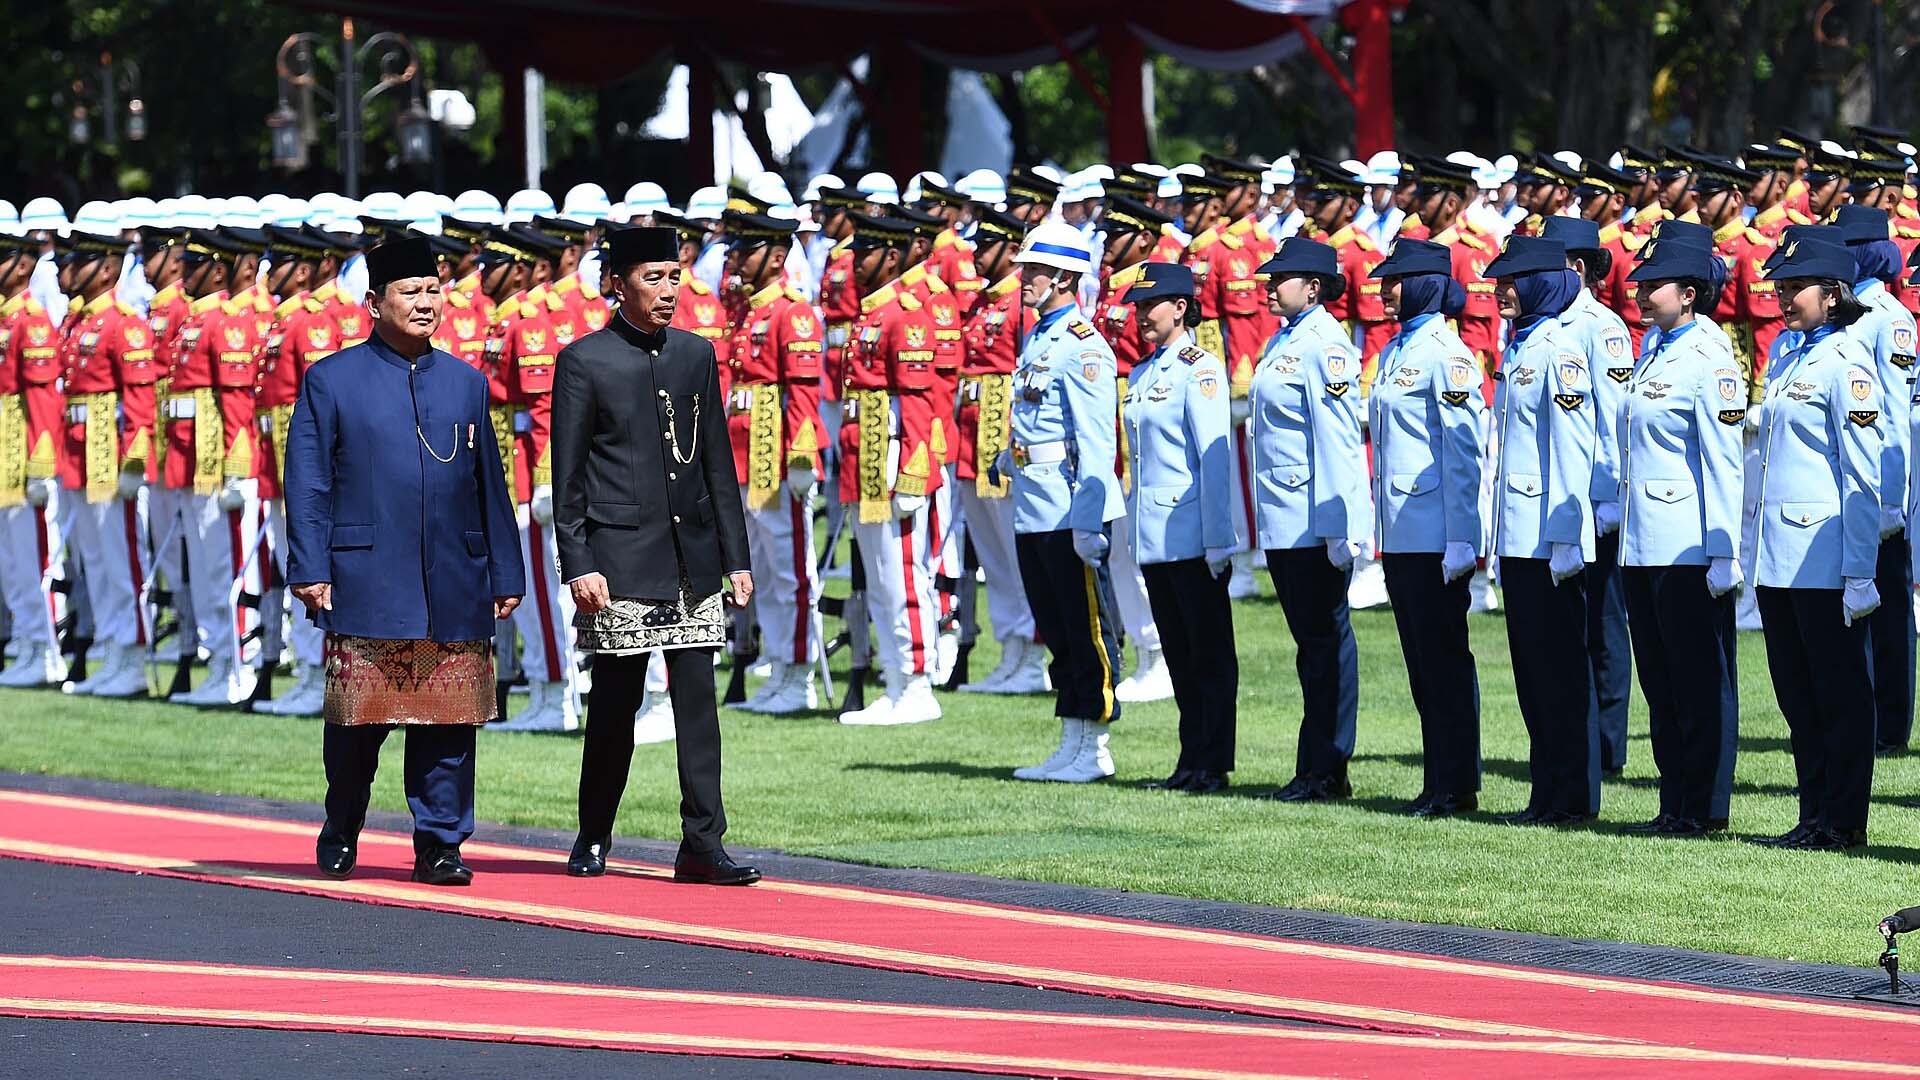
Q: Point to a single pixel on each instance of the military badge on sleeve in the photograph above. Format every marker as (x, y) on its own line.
(1727, 382)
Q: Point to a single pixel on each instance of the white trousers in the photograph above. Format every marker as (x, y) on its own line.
(989, 524)
(106, 539)
(945, 539)
(1130, 588)
(220, 545)
(900, 603)
(545, 615)
(1239, 471)
(786, 589)
(306, 640)
(29, 538)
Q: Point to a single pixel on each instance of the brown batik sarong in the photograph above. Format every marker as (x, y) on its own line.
(380, 681)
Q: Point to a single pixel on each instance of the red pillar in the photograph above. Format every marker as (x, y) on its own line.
(1372, 29)
(1126, 99)
(700, 102)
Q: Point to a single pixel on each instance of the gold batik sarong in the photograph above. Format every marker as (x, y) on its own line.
(382, 681)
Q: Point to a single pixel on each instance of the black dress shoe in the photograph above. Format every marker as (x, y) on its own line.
(1682, 827)
(1714, 824)
(1177, 782)
(1659, 823)
(1564, 817)
(1790, 838)
(589, 857)
(1206, 783)
(335, 854)
(715, 869)
(1888, 749)
(1613, 772)
(1419, 803)
(441, 866)
(1447, 806)
(1529, 816)
(1830, 840)
(1314, 789)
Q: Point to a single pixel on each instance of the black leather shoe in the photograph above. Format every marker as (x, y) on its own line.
(1790, 838)
(1529, 816)
(1658, 824)
(1715, 824)
(1888, 749)
(1614, 772)
(335, 855)
(1177, 782)
(1564, 817)
(1419, 804)
(1830, 840)
(589, 857)
(1314, 789)
(1447, 806)
(441, 866)
(715, 869)
(1206, 783)
(1680, 827)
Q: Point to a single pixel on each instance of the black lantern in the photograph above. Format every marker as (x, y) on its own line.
(289, 149)
(414, 128)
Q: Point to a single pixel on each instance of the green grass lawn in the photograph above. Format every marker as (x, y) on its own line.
(939, 795)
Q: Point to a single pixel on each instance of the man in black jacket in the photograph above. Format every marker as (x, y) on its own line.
(648, 519)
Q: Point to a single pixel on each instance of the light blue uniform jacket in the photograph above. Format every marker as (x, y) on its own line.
(1680, 439)
(1544, 417)
(1065, 416)
(1425, 415)
(1309, 468)
(1177, 419)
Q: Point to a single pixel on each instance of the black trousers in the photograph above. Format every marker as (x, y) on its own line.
(1313, 596)
(1822, 679)
(1073, 608)
(1609, 648)
(619, 684)
(1684, 640)
(1431, 615)
(1195, 617)
(1890, 630)
(438, 776)
(1553, 679)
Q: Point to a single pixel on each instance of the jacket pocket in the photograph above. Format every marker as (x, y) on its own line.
(1173, 496)
(476, 544)
(625, 515)
(1418, 483)
(350, 536)
(703, 510)
(1670, 491)
(1525, 483)
(1292, 475)
(1806, 514)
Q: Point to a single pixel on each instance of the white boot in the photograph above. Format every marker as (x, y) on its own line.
(38, 664)
(1241, 583)
(796, 693)
(1150, 680)
(916, 703)
(307, 697)
(1031, 676)
(1012, 650)
(1480, 593)
(946, 653)
(1070, 733)
(102, 659)
(761, 668)
(128, 678)
(776, 682)
(880, 712)
(1368, 589)
(1092, 761)
(547, 711)
(224, 685)
(654, 722)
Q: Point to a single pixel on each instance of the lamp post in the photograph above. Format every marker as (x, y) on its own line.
(389, 56)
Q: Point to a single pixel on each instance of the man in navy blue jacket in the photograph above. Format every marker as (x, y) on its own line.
(404, 550)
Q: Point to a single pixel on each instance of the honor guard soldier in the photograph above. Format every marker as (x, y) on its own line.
(774, 425)
(839, 303)
(1768, 196)
(1674, 181)
(889, 468)
(1179, 520)
(952, 259)
(464, 328)
(1337, 195)
(109, 371)
(992, 336)
(302, 336)
(1879, 180)
(1602, 196)
(699, 310)
(1546, 189)
(1886, 329)
(167, 308)
(1829, 170)
(522, 344)
(1603, 338)
(1543, 526)
(31, 429)
(1442, 195)
(1030, 196)
(1799, 186)
(210, 435)
(1232, 249)
(1065, 493)
(1818, 541)
(1749, 312)
(1680, 485)
(1428, 448)
(1309, 469)
(1643, 198)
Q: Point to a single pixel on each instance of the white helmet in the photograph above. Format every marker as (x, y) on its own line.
(1504, 168)
(770, 189)
(1382, 169)
(241, 212)
(879, 188)
(983, 186)
(42, 213)
(645, 197)
(290, 214)
(9, 219)
(192, 212)
(1048, 172)
(1056, 244)
(421, 212)
(586, 204)
(382, 204)
(96, 217)
(915, 192)
(707, 204)
(528, 203)
(1570, 159)
(1277, 175)
(812, 194)
(1170, 187)
(477, 206)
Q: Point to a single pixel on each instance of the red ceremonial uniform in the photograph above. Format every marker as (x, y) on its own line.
(1799, 199)
(1479, 320)
(463, 333)
(699, 311)
(523, 346)
(773, 408)
(30, 368)
(1906, 237)
(992, 335)
(952, 262)
(303, 334)
(1749, 309)
(943, 309)
(1773, 221)
(1224, 262)
(209, 407)
(109, 366)
(352, 317)
(1360, 306)
(840, 306)
(165, 312)
(587, 308)
(1616, 291)
(1645, 218)
(888, 404)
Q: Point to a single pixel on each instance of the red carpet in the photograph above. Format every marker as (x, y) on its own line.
(1139, 961)
(914, 1036)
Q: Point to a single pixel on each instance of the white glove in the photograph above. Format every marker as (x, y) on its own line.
(1893, 521)
(800, 484)
(1457, 561)
(1753, 420)
(1606, 518)
(908, 505)
(1341, 552)
(131, 482)
(1242, 410)
(542, 505)
(1858, 599)
(39, 491)
(1493, 568)
(231, 497)
(1089, 545)
(1218, 560)
(1723, 575)
(1566, 562)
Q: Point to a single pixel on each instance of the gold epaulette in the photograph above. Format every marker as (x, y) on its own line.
(287, 307)
(1204, 240)
(1339, 239)
(1610, 233)
(879, 296)
(1008, 284)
